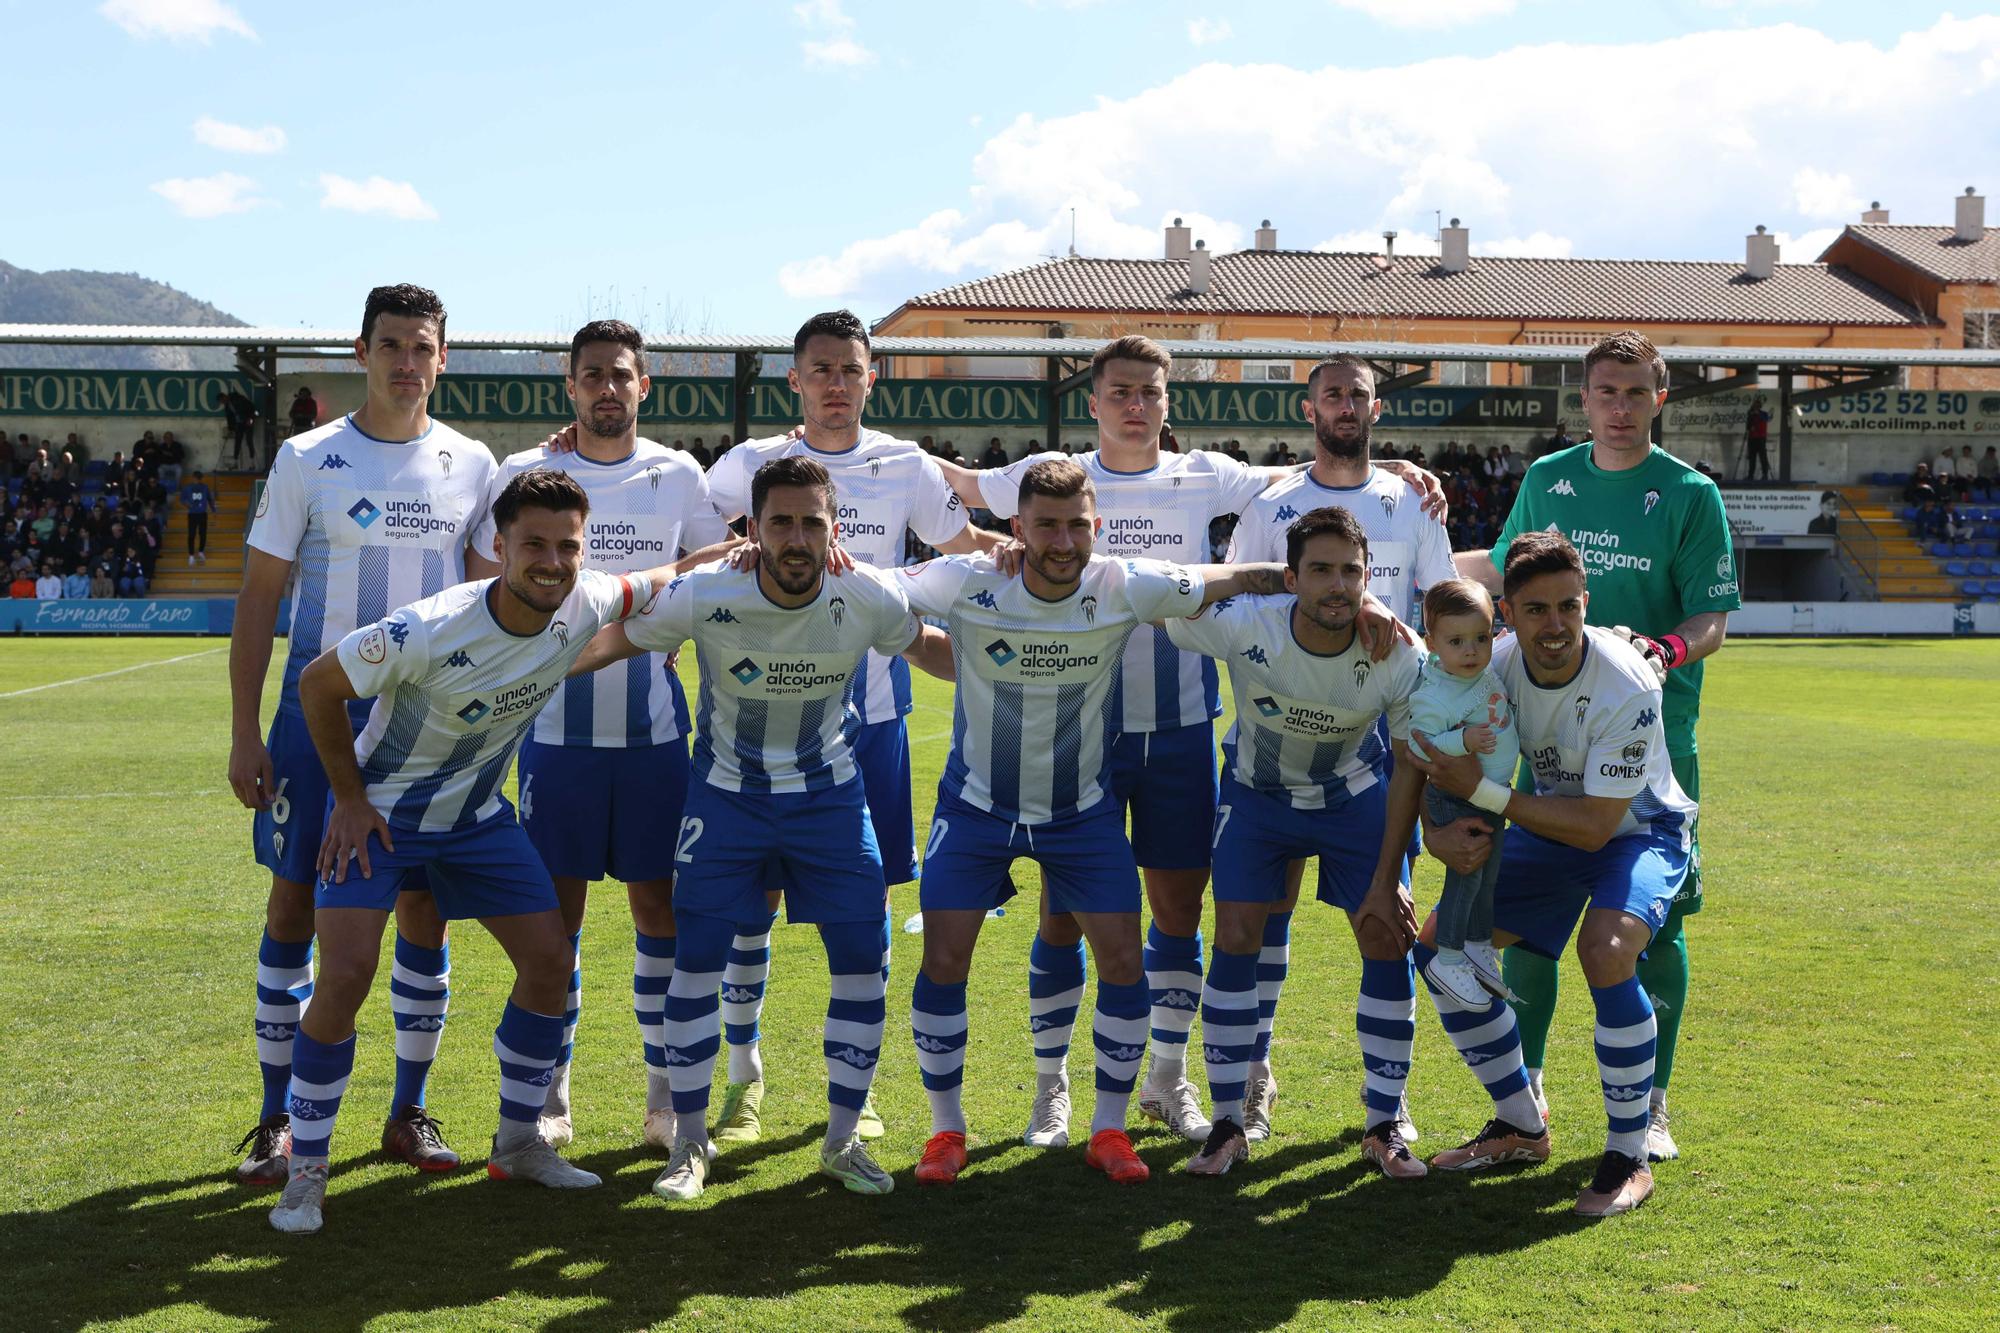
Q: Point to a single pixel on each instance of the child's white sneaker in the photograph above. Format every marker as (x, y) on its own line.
(1456, 978)
(1485, 961)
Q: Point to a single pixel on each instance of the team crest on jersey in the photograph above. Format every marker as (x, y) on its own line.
(444, 461)
(1582, 707)
(560, 628)
(263, 501)
(278, 843)
(1286, 514)
(374, 647)
(1090, 604)
(333, 463)
(837, 608)
(653, 476)
(1177, 482)
(1388, 505)
(1360, 673)
(984, 598)
(461, 658)
(874, 468)
(1652, 498)
(1722, 565)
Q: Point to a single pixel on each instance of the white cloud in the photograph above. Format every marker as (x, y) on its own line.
(396, 199)
(179, 20)
(837, 49)
(1427, 13)
(1820, 194)
(1332, 152)
(1206, 32)
(209, 196)
(238, 138)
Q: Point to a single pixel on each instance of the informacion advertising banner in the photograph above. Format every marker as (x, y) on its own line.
(1808, 512)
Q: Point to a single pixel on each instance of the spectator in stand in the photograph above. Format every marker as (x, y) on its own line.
(724, 445)
(1956, 529)
(1517, 466)
(114, 473)
(200, 503)
(1929, 523)
(699, 453)
(147, 537)
(49, 586)
(1988, 472)
(74, 446)
(1756, 437)
(239, 417)
(304, 411)
(1920, 486)
(102, 584)
(44, 523)
(995, 455)
(173, 457)
(23, 584)
(24, 451)
(1494, 467)
(1967, 469)
(132, 577)
(76, 584)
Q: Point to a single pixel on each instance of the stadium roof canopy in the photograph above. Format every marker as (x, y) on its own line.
(320, 341)
(1296, 282)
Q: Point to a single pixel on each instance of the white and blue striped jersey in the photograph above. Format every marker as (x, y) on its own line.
(882, 488)
(771, 715)
(646, 509)
(1599, 735)
(1305, 728)
(1032, 718)
(369, 525)
(1162, 513)
(454, 693)
(1408, 550)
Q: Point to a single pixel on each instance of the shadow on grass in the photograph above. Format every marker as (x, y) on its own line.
(1301, 1222)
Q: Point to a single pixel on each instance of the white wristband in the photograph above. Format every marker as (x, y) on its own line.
(1491, 796)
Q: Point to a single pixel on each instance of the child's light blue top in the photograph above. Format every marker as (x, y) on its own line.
(1444, 705)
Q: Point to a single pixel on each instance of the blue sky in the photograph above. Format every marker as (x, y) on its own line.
(731, 168)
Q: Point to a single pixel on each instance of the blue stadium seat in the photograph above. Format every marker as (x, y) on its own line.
(1962, 549)
(1899, 479)
(1979, 569)
(1985, 550)
(1955, 569)
(1878, 478)
(1940, 550)
(1909, 514)
(1993, 587)
(1973, 587)
(94, 468)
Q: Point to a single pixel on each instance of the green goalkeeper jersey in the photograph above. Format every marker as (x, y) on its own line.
(1655, 544)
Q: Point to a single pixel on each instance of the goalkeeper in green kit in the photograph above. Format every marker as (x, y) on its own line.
(1655, 546)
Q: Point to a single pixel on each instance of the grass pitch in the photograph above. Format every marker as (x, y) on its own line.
(1834, 1093)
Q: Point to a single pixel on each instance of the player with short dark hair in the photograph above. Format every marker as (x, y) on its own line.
(605, 765)
(456, 681)
(1607, 834)
(371, 512)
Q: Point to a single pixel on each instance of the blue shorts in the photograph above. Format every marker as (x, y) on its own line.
(489, 869)
(1544, 886)
(1257, 836)
(820, 845)
(883, 752)
(1085, 860)
(1167, 779)
(594, 813)
(286, 836)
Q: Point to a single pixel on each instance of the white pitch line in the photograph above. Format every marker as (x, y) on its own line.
(59, 796)
(78, 680)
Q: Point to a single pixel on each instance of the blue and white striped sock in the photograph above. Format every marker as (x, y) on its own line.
(526, 1044)
(419, 995)
(855, 1010)
(938, 1025)
(1118, 1030)
(1272, 963)
(1055, 989)
(284, 988)
(1228, 1030)
(558, 1099)
(319, 1081)
(1626, 1037)
(1490, 1044)
(743, 981)
(1385, 1018)
(652, 971)
(692, 1032)
(1173, 993)
(888, 941)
